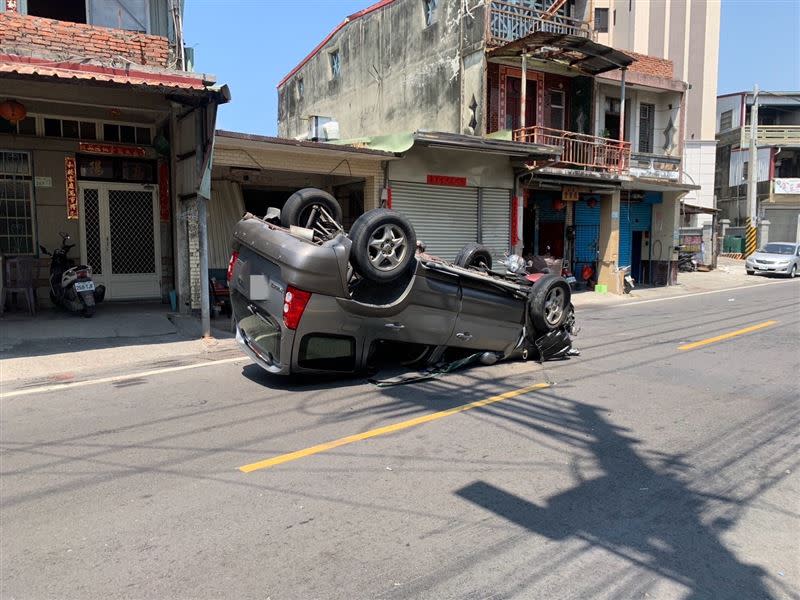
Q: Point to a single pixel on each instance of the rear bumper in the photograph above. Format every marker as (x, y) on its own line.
(257, 357)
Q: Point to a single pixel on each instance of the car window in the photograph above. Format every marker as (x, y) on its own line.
(778, 249)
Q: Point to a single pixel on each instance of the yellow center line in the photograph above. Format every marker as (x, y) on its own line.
(350, 439)
(726, 336)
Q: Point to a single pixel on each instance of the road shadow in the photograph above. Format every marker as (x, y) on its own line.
(643, 514)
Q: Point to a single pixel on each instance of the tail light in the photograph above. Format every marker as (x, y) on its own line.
(294, 303)
(231, 263)
(83, 274)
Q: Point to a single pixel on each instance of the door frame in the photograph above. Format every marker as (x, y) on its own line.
(103, 187)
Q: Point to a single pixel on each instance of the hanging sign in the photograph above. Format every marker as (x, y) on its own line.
(447, 180)
(569, 193)
(112, 149)
(71, 175)
(163, 191)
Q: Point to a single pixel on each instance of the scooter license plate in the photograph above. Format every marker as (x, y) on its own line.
(84, 286)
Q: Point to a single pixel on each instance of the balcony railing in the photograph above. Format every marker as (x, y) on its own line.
(655, 166)
(773, 135)
(587, 152)
(510, 21)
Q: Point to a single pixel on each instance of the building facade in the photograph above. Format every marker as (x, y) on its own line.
(687, 33)
(108, 138)
(530, 72)
(778, 152)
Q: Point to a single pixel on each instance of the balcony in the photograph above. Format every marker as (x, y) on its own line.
(581, 151)
(772, 135)
(509, 21)
(655, 166)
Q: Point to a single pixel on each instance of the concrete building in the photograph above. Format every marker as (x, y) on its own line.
(108, 138)
(687, 33)
(778, 187)
(528, 72)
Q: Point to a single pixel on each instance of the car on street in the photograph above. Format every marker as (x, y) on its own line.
(775, 257)
(309, 298)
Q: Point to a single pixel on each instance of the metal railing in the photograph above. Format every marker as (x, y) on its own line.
(580, 150)
(772, 135)
(510, 21)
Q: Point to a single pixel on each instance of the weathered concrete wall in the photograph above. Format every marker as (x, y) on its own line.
(397, 74)
(480, 170)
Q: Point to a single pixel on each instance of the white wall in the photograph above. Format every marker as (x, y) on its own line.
(699, 159)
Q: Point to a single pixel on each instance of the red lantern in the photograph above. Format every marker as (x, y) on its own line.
(558, 204)
(12, 111)
(591, 202)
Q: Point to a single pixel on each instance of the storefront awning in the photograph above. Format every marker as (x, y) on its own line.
(694, 209)
(652, 185)
(576, 52)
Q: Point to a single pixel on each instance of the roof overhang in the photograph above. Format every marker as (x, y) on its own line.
(176, 83)
(236, 140)
(579, 53)
(483, 145)
(694, 209)
(656, 185)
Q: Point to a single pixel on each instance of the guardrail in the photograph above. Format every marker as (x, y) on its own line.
(580, 150)
(772, 135)
(509, 21)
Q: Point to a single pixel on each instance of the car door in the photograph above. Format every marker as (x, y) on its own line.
(489, 318)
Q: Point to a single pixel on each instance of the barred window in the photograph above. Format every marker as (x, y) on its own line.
(16, 203)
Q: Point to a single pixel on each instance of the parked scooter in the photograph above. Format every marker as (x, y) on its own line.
(686, 262)
(72, 287)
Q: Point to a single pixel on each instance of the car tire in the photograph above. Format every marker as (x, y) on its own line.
(751, 272)
(474, 256)
(548, 303)
(793, 272)
(297, 209)
(384, 243)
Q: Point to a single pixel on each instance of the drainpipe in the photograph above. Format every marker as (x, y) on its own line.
(524, 91)
(622, 120)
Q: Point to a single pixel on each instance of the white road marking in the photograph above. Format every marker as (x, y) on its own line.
(116, 378)
(678, 297)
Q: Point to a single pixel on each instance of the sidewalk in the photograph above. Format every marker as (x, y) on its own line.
(59, 346)
(729, 273)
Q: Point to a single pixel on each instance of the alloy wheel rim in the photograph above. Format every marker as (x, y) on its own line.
(554, 305)
(387, 247)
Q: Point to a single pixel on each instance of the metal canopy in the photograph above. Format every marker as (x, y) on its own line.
(579, 53)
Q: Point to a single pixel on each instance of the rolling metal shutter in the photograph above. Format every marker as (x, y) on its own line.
(445, 218)
(496, 220)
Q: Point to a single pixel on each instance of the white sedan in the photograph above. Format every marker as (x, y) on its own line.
(775, 257)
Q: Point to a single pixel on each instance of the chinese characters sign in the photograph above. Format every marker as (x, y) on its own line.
(447, 180)
(112, 149)
(70, 171)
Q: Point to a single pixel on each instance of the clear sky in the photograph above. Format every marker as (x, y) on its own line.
(252, 44)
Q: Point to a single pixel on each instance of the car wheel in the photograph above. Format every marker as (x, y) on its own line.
(299, 208)
(384, 242)
(793, 272)
(548, 303)
(474, 256)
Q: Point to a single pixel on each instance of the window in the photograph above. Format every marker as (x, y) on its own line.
(102, 168)
(67, 128)
(25, 127)
(61, 10)
(556, 98)
(745, 171)
(601, 20)
(336, 64)
(127, 134)
(647, 114)
(16, 203)
(430, 12)
(328, 352)
(133, 15)
(300, 88)
(726, 120)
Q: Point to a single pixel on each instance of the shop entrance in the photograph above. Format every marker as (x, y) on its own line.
(119, 238)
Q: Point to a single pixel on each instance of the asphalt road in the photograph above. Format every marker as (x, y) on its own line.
(644, 470)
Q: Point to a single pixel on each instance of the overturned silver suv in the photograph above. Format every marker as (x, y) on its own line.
(308, 297)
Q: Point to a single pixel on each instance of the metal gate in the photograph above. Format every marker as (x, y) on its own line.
(495, 224)
(445, 218)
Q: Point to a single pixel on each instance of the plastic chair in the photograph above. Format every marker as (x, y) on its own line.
(19, 280)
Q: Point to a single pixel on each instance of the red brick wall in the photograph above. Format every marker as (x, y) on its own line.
(80, 40)
(650, 65)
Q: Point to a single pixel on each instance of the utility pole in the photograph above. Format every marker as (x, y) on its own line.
(752, 183)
